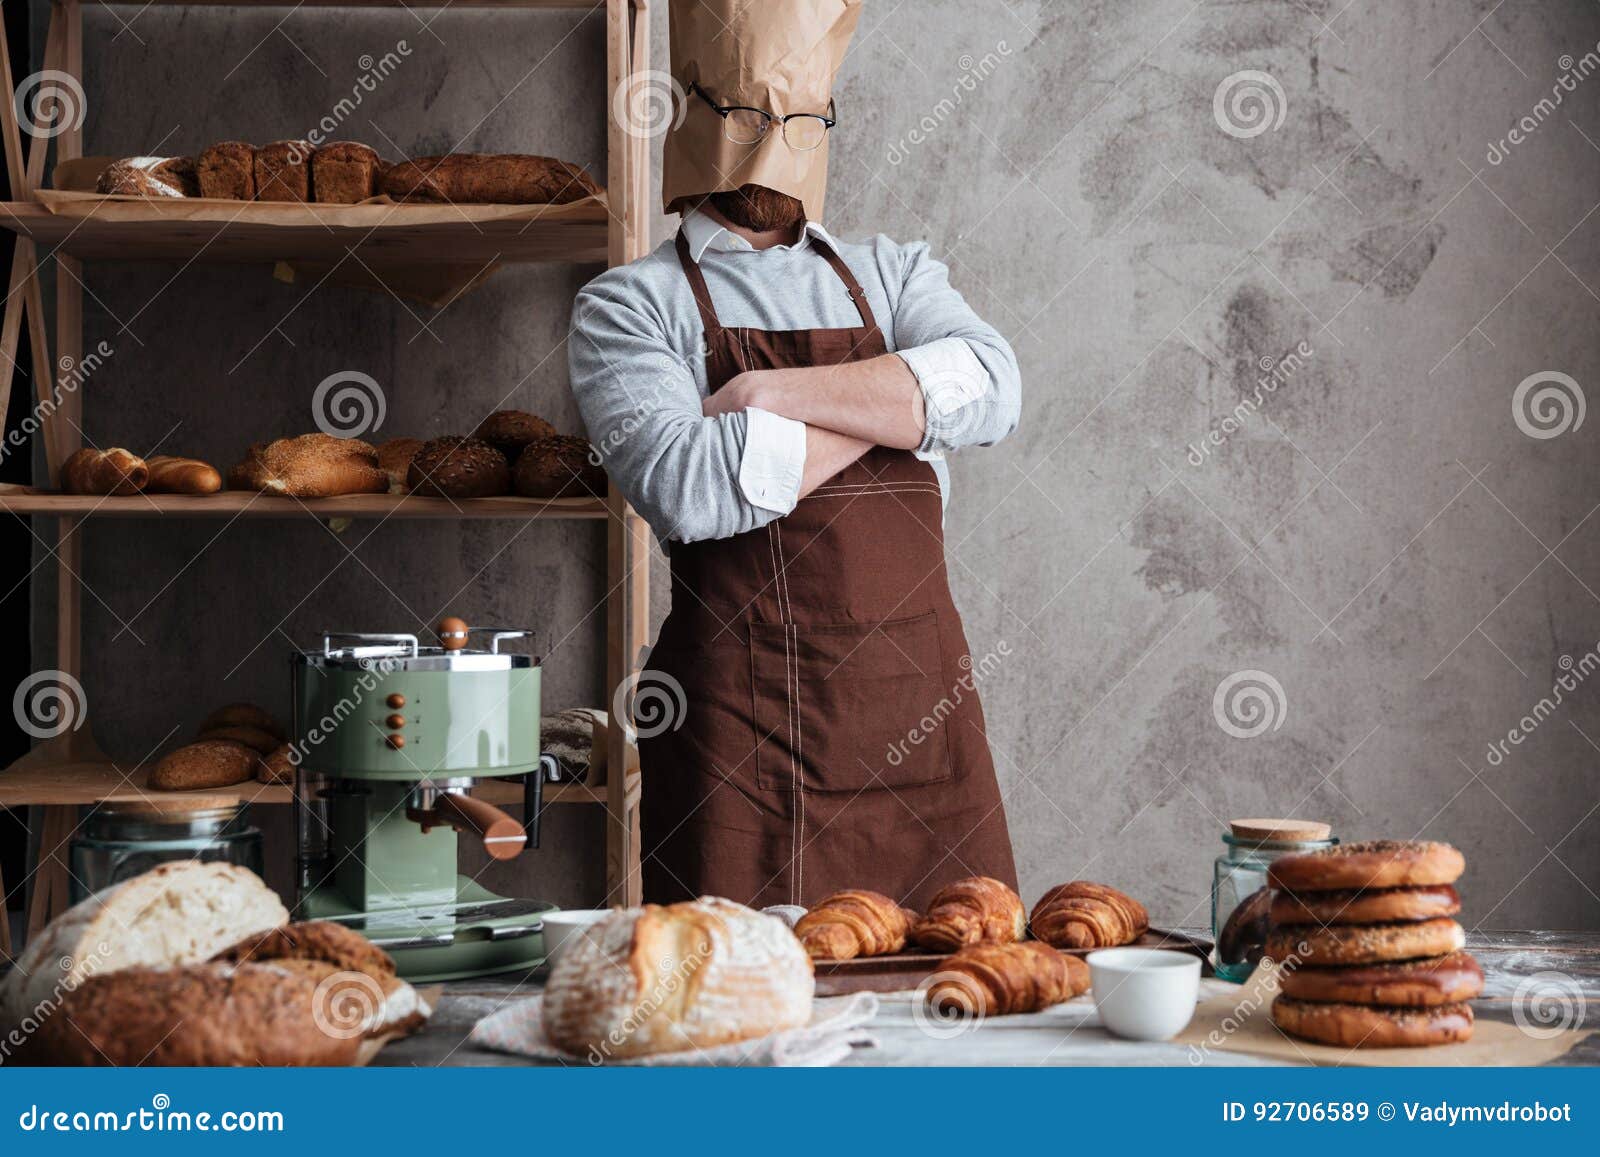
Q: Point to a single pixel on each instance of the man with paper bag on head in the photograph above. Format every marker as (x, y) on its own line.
(777, 404)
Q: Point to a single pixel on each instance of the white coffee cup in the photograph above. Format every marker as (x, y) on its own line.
(564, 928)
(1144, 993)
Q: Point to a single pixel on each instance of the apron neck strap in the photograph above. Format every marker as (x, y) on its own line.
(708, 312)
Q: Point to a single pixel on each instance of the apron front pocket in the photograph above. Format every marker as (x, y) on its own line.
(850, 706)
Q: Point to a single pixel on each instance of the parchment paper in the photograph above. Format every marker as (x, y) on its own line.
(1240, 1021)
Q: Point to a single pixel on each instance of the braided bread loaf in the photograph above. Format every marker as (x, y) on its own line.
(975, 910)
(1084, 915)
(1000, 979)
(854, 923)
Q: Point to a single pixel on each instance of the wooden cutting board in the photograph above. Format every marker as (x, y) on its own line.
(909, 969)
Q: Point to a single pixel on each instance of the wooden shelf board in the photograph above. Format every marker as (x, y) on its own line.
(72, 784)
(247, 504)
(481, 236)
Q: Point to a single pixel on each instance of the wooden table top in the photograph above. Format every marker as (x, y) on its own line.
(1507, 958)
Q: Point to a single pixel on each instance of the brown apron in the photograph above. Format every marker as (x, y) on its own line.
(832, 736)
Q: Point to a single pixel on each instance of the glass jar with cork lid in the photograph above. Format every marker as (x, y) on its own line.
(1240, 897)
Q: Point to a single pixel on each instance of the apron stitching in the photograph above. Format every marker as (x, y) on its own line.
(788, 693)
(798, 753)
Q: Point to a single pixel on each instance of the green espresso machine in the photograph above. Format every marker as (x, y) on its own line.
(390, 737)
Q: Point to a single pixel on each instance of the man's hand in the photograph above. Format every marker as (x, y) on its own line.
(741, 393)
(878, 401)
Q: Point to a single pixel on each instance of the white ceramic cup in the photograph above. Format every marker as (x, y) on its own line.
(1144, 993)
(565, 927)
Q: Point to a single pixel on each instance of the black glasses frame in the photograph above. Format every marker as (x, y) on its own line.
(767, 118)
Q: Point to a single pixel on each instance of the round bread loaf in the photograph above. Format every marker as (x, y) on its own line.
(560, 467)
(311, 940)
(394, 459)
(310, 466)
(1365, 943)
(456, 467)
(1368, 864)
(1379, 906)
(509, 431)
(205, 764)
(178, 913)
(243, 715)
(1360, 1026)
(1409, 984)
(687, 976)
(254, 738)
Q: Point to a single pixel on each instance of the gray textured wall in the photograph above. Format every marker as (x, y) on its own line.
(1380, 535)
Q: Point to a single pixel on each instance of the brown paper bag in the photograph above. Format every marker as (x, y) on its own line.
(1240, 1021)
(776, 55)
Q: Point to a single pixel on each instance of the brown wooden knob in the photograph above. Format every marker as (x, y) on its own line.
(502, 836)
(395, 722)
(452, 633)
(396, 700)
(396, 741)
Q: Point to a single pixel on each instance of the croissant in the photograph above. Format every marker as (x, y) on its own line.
(853, 923)
(1000, 979)
(1084, 915)
(975, 910)
(114, 471)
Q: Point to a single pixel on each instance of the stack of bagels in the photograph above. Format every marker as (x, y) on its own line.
(1368, 952)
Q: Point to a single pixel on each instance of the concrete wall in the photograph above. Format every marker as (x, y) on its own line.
(1378, 535)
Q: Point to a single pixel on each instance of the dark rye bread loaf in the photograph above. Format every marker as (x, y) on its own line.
(487, 179)
(227, 171)
(345, 173)
(283, 171)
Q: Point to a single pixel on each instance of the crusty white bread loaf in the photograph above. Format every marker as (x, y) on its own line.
(665, 979)
(179, 913)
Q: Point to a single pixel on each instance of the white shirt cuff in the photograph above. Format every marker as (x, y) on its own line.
(774, 460)
(952, 378)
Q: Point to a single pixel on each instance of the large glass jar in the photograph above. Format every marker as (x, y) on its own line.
(122, 839)
(1240, 896)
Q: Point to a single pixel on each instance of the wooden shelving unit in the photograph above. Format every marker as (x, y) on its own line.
(70, 771)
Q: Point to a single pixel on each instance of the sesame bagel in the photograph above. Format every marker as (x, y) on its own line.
(1359, 1026)
(1380, 906)
(1409, 984)
(1365, 943)
(1369, 864)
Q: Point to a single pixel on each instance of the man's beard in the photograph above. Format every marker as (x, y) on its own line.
(759, 208)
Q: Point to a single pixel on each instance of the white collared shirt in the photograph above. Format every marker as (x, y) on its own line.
(638, 369)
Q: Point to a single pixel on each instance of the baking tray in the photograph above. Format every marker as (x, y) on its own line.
(906, 970)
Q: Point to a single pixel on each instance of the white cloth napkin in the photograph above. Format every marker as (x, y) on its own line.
(838, 1026)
